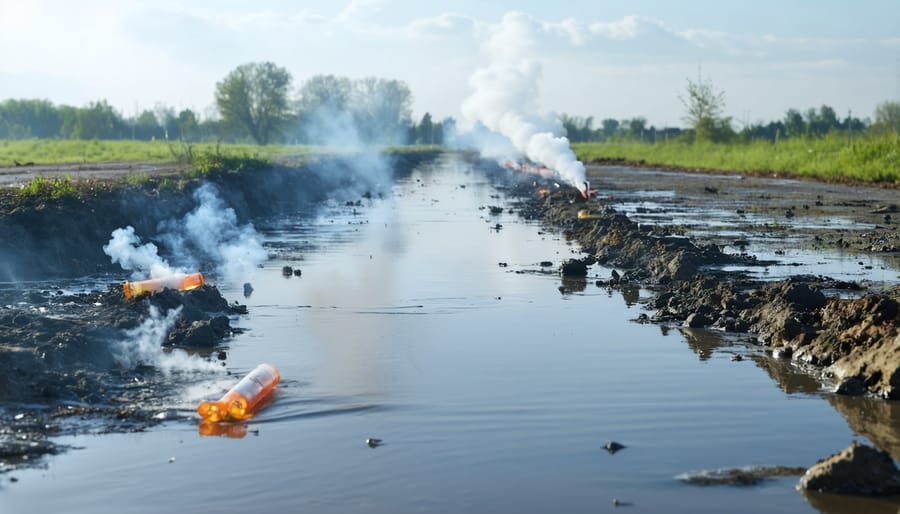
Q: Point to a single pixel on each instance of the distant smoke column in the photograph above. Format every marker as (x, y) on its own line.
(504, 99)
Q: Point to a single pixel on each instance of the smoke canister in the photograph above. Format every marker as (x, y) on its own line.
(180, 281)
(238, 403)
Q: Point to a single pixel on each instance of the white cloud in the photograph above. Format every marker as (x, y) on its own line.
(163, 51)
(446, 25)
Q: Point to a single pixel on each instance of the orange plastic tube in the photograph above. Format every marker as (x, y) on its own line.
(238, 403)
(178, 281)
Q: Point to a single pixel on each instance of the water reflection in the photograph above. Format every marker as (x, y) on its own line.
(790, 379)
(836, 504)
(877, 420)
(571, 285)
(702, 342)
(229, 430)
(631, 294)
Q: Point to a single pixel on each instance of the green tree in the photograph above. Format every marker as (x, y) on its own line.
(325, 111)
(147, 127)
(636, 127)
(187, 125)
(383, 110)
(887, 117)
(610, 127)
(99, 121)
(703, 111)
(254, 98)
(577, 129)
(425, 131)
(793, 123)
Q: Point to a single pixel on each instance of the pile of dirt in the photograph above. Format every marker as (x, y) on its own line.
(858, 470)
(42, 237)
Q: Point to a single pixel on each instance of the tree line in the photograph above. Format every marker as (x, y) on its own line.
(704, 115)
(254, 102)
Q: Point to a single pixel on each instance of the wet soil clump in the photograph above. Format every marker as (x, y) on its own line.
(74, 362)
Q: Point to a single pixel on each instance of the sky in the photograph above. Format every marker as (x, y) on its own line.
(600, 58)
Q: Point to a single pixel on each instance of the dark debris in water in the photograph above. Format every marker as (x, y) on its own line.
(739, 476)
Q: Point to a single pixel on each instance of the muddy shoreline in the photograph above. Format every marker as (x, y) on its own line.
(843, 331)
(60, 372)
(836, 330)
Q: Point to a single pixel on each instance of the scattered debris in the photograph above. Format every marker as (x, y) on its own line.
(612, 447)
(752, 475)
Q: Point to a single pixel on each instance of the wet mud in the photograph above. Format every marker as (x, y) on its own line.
(62, 371)
(61, 368)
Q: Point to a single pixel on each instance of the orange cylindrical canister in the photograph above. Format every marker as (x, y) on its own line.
(178, 281)
(238, 403)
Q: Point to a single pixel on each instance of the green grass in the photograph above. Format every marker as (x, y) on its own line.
(56, 151)
(869, 159)
(50, 189)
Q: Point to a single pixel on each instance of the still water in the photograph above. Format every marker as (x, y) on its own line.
(492, 387)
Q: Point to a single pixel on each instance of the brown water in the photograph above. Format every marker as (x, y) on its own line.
(492, 390)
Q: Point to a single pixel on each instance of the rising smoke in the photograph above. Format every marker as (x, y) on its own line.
(209, 235)
(504, 99)
(142, 346)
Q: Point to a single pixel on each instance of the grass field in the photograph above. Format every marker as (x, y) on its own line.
(53, 151)
(871, 159)
(831, 157)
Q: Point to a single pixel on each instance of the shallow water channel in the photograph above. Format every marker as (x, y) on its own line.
(493, 388)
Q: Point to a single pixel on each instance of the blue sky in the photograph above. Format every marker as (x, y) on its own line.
(615, 59)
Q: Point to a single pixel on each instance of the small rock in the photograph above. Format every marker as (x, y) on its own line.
(783, 352)
(248, 289)
(298, 272)
(221, 356)
(852, 386)
(287, 271)
(736, 358)
(573, 268)
(612, 447)
(857, 470)
(546, 264)
(696, 320)
(502, 264)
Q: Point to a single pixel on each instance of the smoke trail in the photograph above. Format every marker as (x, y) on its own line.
(504, 99)
(125, 248)
(208, 234)
(142, 346)
(211, 233)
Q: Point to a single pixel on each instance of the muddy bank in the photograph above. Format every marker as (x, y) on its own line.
(91, 361)
(846, 331)
(41, 237)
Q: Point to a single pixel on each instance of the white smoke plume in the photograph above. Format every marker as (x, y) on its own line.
(504, 99)
(125, 248)
(209, 234)
(142, 346)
